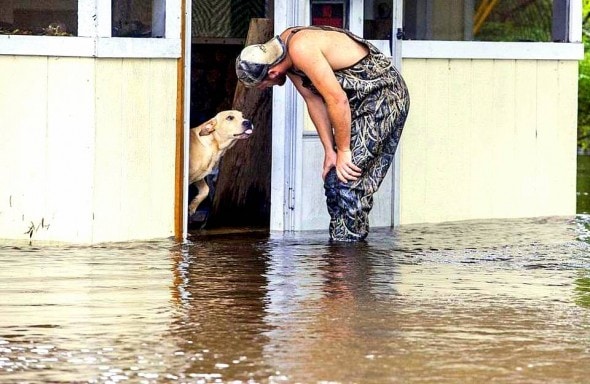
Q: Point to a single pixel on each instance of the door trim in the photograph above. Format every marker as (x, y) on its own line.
(396, 53)
(183, 125)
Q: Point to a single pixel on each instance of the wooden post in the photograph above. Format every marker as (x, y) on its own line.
(179, 171)
(242, 192)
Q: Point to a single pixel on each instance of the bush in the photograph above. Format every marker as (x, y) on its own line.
(584, 85)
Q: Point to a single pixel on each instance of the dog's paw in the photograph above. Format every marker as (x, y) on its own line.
(192, 208)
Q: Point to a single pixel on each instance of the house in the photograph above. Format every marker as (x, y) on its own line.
(96, 104)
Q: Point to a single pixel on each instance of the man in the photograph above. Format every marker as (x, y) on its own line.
(357, 101)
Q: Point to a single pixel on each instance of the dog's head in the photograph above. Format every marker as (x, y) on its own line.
(227, 126)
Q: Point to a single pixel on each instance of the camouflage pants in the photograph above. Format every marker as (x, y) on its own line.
(378, 119)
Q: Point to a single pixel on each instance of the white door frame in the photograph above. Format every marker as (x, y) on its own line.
(186, 112)
(396, 48)
(287, 130)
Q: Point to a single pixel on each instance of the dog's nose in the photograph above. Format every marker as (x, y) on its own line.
(247, 124)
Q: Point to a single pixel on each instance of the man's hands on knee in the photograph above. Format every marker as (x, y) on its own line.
(345, 168)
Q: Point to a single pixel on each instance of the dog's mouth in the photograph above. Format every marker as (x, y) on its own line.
(244, 134)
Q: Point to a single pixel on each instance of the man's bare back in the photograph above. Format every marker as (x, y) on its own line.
(337, 48)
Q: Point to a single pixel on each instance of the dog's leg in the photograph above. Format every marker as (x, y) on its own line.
(197, 200)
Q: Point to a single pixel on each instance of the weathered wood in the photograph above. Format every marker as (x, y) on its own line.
(242, 196)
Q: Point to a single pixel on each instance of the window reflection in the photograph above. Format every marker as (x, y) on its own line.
(528, 20)
(329, 12)
(483, 20)
(378, 19)
(224, 18)
(138, 18)
(39, 17)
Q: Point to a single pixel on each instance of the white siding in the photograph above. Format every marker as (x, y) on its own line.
(88, 148)
(489, 139)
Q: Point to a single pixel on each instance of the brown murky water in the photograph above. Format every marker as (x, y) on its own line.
(492, 301)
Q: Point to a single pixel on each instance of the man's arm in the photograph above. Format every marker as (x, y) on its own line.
(319, 117)
(307, 56)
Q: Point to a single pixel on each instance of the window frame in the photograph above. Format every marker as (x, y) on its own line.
(572, 49)
(94, 36)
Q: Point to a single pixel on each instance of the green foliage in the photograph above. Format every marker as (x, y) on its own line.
(584, 83)
(511, 31)
(517, 20)
(583, 189)
(582, 289)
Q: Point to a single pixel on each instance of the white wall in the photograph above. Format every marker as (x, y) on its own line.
(489, 139)
(88, 148)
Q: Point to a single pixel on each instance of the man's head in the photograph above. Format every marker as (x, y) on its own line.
(255, 61)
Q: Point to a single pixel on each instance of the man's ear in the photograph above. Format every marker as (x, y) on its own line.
(208, 127)
(272, 74)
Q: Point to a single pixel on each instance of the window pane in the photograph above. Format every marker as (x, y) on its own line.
(329, 12)
(484, 20)
(378, 16)
(224, 18)
(39, 17)
(513, 21)
(138, 18)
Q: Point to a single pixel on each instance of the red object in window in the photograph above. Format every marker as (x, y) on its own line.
(327, 14)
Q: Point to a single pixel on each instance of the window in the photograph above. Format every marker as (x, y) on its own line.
(138, 18)
(91, 28)
(224, 18)
(470, 29)
(39, 17)
(329, 12)
(378, 19)
(486, 20)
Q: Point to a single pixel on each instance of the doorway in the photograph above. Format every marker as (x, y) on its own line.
(218, 33)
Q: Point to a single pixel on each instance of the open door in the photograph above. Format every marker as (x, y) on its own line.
(215, 33)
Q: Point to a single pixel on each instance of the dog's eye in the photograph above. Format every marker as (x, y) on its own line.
(230, 118)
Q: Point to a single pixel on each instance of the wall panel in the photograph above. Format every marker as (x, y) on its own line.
(135, 149)
(489, 139)
(88, 149)
(69, 146)
(47, 153)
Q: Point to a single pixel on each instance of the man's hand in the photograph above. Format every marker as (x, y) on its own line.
(345, 169)
(329, 162)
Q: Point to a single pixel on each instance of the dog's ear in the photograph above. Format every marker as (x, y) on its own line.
(207, 128)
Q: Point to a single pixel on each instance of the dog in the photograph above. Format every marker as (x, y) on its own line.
(208, 143)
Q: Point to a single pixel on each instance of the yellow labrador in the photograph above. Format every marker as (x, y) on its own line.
(208, 143)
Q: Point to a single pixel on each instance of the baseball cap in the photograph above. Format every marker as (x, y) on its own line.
(255, 60)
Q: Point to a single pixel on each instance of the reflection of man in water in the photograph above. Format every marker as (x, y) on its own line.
(321, 309)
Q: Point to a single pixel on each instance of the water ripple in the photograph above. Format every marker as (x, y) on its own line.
(501, 300)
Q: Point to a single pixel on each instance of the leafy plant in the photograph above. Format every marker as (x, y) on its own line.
(584, 83)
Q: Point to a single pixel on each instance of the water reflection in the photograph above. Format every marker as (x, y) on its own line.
(583, 184)
(219, 303)
(503, 300)
(582, 288)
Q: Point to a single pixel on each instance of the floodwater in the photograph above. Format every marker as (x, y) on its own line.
(499, 301)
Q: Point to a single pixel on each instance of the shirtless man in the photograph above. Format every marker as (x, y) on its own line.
(357, 101)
